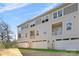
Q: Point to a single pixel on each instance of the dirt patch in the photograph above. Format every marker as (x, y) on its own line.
(10, 52)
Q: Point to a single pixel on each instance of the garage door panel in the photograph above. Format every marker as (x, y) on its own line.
(23, 45)
(39, 45)
(67, 45)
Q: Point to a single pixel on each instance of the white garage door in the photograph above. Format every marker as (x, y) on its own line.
(67, 44)
(39, 45)
(23, 45)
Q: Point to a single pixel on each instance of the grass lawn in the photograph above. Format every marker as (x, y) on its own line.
(49, 50)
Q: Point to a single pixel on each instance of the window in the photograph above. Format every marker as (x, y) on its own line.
(74, 38)
(66, 39)
(60, 13)
(32, 34)
(43, 21)
(46, 20)
(19, 29)
(57, 28)
(58, 39)
(44, 40)
(23, 42)
(55, 15)
(37, 33)
(45, 32)
(52, 40)
(26, 35)
(19, 35)
(33, 41)
(46, 17)
(22, 27)
(69, 26)
(26, 26)
(32, 25)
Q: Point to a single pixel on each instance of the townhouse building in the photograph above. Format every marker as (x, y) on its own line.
(57, 28)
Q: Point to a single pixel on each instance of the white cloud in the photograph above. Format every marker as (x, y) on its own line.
(12, 6)
(53, 5)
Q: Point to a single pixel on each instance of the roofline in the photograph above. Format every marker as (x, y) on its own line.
(45, 13)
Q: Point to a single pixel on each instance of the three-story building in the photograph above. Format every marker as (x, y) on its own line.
(57, 28)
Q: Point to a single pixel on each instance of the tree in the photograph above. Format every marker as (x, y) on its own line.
(14, 43)
(5, 34)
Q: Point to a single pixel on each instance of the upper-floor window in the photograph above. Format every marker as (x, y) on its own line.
(19, 29)
(26, 26)
(32, 25)
(55, 15)
(43, 21)
(19, 35)
(26, 35)
(22, 27)
(45, 32)
(37, 33)
(60, 13)
(32, 34)
(46, 18)
(69, 26)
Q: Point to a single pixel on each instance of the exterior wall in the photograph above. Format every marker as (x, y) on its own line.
(74, 33)
(45, 33)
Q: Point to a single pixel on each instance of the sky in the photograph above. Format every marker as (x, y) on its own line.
(15, 14)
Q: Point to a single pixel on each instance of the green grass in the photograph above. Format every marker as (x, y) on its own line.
(50, 50)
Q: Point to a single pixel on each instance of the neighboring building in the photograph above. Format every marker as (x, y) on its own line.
(57, 28)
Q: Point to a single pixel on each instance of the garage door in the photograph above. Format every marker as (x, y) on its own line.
(23, 45)
(39, 45)
(67, 44)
